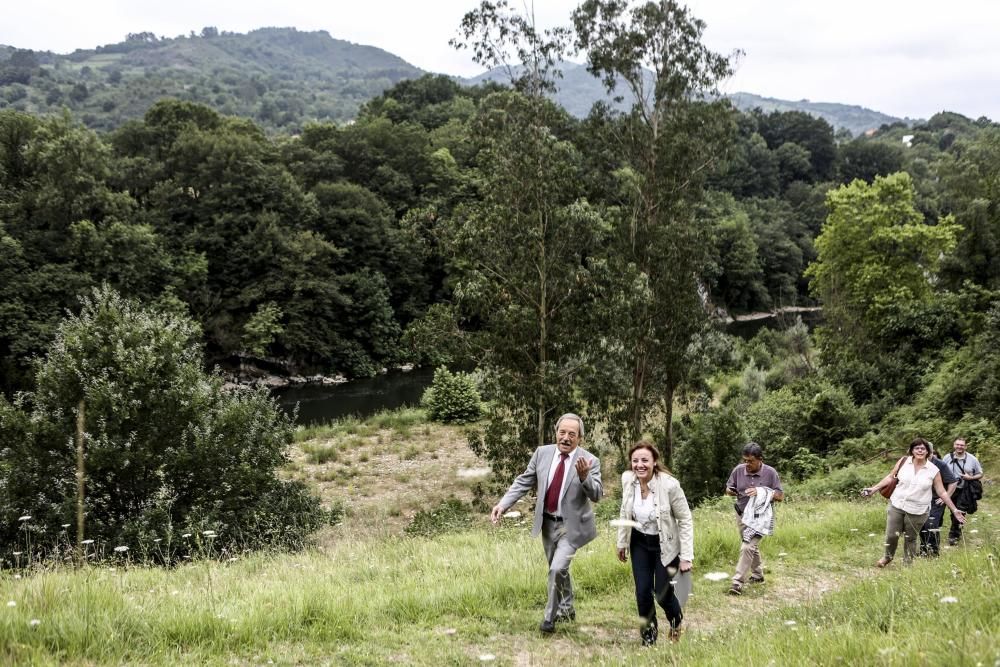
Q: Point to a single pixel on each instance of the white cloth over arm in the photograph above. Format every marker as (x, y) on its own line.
(758, 515)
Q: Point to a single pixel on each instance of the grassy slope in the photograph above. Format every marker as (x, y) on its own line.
(365, 597)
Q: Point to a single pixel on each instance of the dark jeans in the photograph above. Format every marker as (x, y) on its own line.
(930, 539)
(652, 577)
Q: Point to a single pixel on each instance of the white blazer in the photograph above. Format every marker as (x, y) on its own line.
(674, 523)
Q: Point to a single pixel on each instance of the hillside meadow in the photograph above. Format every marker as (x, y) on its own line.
(372, 592)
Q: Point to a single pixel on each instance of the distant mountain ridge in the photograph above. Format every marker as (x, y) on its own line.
(855, 118)
(281, 78)
(578, 90)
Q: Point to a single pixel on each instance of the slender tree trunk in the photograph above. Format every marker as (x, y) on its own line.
(80, 422)
(638, 390)
(668, 427)
(542, 340)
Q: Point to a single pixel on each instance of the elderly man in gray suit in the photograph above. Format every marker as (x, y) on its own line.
(566, 479)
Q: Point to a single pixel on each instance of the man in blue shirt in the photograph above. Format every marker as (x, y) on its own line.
(930, 534)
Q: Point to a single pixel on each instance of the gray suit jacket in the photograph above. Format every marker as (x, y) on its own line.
(577, 512)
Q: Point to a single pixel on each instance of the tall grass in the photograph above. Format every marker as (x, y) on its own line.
(400, 420)
(454, 597)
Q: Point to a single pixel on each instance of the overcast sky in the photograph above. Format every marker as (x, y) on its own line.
(911, 58)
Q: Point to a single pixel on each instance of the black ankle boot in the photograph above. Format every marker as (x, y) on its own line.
(649, 635)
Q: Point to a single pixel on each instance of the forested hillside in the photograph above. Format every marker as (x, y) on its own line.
(280, 78)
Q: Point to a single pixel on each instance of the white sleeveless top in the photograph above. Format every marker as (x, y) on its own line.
(913, 492)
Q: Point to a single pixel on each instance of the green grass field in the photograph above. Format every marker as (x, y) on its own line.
(369, 594)
(461, 597)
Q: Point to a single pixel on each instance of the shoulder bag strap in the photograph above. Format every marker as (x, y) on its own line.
(899, 463)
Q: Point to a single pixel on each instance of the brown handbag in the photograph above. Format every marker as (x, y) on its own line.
(887, 490)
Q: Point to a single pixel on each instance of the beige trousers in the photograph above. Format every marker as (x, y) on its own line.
(749, 561)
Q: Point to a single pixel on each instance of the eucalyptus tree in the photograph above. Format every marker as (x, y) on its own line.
(669, 141)
(520, 245)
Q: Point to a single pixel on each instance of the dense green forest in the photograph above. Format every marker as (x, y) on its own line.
(576, 263)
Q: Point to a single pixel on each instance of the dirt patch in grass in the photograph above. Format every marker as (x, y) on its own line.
(383, 479)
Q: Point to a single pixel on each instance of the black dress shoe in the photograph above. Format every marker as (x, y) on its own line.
(548, 627)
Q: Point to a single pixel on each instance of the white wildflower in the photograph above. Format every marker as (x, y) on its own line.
(949, 599)
(513, 514)
(34, 622)
(782, 554)
(789, 622)
(11, 604)
(121, 550)
(26, 517)
(716, 576)
(487, 657)
(66, 525)
(18, 553)
(87, 542)
(186, 535)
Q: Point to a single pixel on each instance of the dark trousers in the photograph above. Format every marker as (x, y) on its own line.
(955, 532)
(930, 534)
(653, 579)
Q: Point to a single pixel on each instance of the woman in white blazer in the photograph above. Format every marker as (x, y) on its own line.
(659, 536)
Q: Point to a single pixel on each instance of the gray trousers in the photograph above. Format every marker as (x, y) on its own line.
(559, 552)
(899, 522)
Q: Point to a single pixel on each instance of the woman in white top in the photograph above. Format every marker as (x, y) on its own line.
(661, 539)
(910, 502)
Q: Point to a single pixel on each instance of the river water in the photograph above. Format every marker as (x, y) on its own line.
(365, 397)
(362, 398)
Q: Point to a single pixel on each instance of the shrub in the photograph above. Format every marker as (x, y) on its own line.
(804, 464)
(452, 397)
(843, 483)
(452, 514)
(167, 452)
(708, 446)
(812, 413)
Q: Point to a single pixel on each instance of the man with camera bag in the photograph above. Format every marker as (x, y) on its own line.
(969, 472)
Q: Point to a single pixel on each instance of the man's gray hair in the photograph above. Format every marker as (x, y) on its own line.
(754, 450)
(570, 415)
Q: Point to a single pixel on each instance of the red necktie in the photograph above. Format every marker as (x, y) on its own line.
(555, 486)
